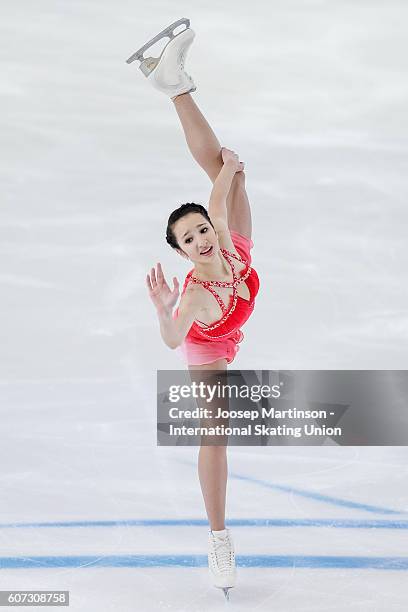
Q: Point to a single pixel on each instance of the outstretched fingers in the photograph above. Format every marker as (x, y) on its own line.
(155, 280)
(151, 281)
(153, 277)
(176, 285)
(157, 284)
(160, 277)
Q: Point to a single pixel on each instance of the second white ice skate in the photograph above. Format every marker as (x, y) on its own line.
(221, 561)
(166, 72)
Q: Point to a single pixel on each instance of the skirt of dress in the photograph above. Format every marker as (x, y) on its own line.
(202, 353)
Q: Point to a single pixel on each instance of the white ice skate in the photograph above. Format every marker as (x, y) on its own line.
(166, 72)
(221, 561)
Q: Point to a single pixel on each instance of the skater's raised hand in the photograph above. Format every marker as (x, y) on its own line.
(160, 293)
(232, 158)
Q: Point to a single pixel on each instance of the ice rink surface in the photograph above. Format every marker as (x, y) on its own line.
(313, 95)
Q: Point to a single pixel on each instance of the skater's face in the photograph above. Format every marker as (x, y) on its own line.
(196, 238)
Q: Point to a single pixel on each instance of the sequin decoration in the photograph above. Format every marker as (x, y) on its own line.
(236, 280)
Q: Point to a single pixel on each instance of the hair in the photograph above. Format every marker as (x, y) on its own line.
(182, 211)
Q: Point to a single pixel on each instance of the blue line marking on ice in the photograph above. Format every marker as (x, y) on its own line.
(252, 522)
(84, 561)
(310, 494)
(317, 496)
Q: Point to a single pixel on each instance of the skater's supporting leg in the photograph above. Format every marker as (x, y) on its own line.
(213, 472)
(206, 150)
(212, 457)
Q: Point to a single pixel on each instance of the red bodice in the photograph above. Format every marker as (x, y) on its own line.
(236, 312)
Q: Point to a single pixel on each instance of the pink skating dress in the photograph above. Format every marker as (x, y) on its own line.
(220, 339)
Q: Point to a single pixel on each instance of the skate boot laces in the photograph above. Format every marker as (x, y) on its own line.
(181, 60)
(224, 554)
(181, 67)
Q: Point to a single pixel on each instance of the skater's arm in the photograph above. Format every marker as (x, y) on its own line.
(217, 206)
(164, 299)
(174, 330)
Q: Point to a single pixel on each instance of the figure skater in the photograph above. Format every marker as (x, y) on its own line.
(219, 292)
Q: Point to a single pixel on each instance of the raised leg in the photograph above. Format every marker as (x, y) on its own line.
(201, 140)
(206, 150)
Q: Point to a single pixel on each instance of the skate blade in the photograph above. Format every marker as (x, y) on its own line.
(149, 64)
(226, 593)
